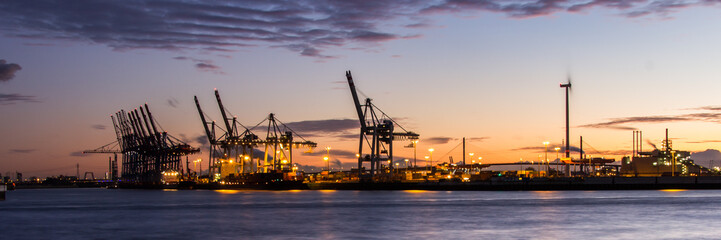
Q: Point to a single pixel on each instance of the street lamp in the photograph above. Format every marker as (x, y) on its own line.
(198, 161)
(426, 160)
(471, 154)
(431, 157)
(327, 162)
(328, 157)
(406, 160)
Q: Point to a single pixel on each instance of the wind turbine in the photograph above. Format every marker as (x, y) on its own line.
(567, 85)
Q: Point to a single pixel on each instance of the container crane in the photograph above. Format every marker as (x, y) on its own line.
(379, 127)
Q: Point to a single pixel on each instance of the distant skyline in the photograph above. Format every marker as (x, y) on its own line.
(485, 70)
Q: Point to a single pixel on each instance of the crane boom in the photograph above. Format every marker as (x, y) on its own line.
(211, 139)
(225, 116)
(356, 101)
(152, 122)
(152, 136)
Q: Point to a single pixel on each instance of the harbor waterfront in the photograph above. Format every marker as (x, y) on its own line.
(94, 213)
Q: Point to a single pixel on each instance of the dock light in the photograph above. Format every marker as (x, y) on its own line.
(431, 155)
(328, 162)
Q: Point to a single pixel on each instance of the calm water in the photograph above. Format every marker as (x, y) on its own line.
(145, 214)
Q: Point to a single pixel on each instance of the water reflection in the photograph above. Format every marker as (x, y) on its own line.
(233, 214)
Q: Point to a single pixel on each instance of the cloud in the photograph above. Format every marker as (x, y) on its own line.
(22, 150)
(98, 127)
(7, 70)
(306, 27)
(325, 126)
(337, 128)
(203, 65)
(437, 140)
(615, 123)
(537, 8)
(202, 140)
(173, 102)
(9, 99)
(333, 153)
(477, 139)
(711, 114)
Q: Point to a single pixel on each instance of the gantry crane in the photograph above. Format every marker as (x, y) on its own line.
(279, 144)
(380, 129)
(231, 143)
(110, 148)
(147, 153)
(280, 138)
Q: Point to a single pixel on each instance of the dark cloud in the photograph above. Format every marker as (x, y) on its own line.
(201, 139)
(712, 114)
(333, 153)
(328, 125)
(351, 136)
(7, 70)
(22, 150)
(99, 127)
(437, 140)
(477, 139)
(206, 67)
(536, 8)
(9, 99)
(616, 123)
(202, 65)
(338, 128)
(173, 102)
(305, 26)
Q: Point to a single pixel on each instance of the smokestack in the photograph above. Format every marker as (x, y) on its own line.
(667, 147)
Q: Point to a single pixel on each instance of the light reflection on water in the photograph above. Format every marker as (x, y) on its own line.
(240, 214)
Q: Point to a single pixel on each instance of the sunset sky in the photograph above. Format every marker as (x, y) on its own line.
(485, 70)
